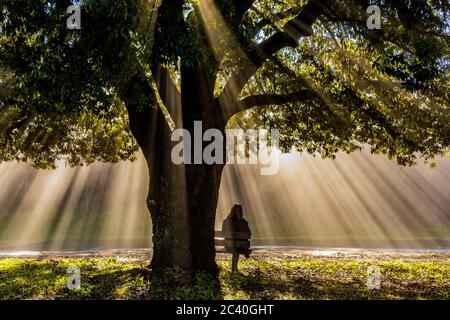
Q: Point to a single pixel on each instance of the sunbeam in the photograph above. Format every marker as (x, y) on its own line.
(357, 200)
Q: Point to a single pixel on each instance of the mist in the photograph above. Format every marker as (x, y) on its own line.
(356, 200)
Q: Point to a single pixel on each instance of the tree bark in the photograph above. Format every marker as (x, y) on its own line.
(184, 216)
(182, 199)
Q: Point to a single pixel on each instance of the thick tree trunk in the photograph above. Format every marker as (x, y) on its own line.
(182, 199)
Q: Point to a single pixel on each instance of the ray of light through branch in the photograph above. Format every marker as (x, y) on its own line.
(357, 200)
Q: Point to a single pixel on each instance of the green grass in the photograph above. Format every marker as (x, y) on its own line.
(264, 278)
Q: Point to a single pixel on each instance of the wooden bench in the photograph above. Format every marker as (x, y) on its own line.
(229, 242)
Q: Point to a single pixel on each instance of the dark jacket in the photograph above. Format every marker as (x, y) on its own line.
(236, 225)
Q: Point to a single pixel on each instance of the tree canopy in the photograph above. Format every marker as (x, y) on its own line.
(312, 69)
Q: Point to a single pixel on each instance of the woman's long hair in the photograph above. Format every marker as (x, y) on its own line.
(236, 212)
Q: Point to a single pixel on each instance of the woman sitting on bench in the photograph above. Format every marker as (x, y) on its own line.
(235, 222)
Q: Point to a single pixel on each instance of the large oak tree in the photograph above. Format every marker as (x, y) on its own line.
(137, 69)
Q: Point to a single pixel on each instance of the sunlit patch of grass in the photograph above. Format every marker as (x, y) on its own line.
(309, 279)
(260, 278)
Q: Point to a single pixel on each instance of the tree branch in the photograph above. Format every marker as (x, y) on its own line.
(259, 53)
(144, 116)
(294, 29)
(241, 7)
(170, 96)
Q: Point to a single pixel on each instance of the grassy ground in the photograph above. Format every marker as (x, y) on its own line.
(263, 277)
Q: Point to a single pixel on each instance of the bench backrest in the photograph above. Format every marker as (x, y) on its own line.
(230, 239)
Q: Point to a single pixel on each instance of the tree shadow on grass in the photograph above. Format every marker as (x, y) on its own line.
(100, 280)
(144, 284)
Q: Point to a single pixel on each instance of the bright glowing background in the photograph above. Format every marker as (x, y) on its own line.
(357, 200)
